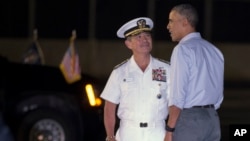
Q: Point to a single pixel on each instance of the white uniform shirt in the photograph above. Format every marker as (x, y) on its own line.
(197, 73)
(142, 96)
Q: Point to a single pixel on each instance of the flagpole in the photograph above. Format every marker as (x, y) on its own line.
(31, 16)
(72, 41)
(72, 48)
(35, 40)
(73, 37)
(35, 36)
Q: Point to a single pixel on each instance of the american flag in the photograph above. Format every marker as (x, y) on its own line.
(70, 65)
(34, 54)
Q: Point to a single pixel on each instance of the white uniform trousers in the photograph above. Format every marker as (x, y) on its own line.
(141, 131)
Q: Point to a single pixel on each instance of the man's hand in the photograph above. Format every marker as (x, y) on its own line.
(168, 136)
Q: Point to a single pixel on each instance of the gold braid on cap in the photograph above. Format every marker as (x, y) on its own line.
(137, 31)
(141, 26)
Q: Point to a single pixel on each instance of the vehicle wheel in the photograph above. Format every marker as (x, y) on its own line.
(44, 125)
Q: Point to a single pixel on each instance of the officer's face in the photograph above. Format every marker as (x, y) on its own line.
(140, 43)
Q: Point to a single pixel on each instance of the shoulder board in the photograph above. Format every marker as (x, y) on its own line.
(162, 60)
(117, 66)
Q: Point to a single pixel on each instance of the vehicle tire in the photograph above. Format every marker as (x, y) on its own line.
(47, 125)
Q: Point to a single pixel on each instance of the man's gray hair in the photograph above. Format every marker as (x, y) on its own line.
(188, 11)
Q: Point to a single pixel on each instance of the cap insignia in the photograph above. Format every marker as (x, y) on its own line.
(141, 23)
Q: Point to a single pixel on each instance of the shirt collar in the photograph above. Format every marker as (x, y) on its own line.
(190, 35)
(134, 66)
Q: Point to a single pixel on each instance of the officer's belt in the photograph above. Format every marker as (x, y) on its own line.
(142, 124)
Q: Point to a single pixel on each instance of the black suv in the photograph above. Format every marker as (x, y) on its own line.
(39, 105)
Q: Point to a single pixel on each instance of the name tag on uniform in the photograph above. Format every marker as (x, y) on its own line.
(129, 79)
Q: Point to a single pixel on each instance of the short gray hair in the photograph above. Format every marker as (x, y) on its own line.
(188, 11)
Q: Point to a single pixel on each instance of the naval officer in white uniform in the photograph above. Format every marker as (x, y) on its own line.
(138, 88)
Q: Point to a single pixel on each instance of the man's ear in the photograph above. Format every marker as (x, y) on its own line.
(127, 43)
(185, 22)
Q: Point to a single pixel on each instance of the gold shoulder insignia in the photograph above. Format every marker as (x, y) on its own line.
(162, 60)
(117, 66)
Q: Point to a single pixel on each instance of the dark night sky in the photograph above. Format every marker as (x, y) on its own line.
(57, 18)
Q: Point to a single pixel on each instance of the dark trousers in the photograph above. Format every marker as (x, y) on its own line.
(197, 124)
